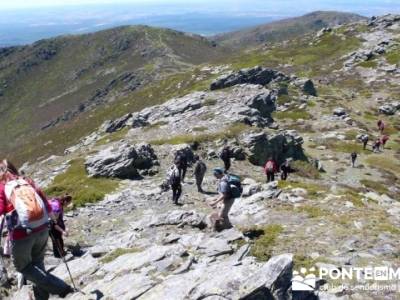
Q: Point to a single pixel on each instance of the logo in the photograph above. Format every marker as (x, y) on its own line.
(305, 280)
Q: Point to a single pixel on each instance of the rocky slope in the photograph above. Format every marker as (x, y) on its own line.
(285, 29)
(309, 100)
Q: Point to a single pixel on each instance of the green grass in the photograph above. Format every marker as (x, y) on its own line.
(230, 132)
(314, 191)
(369, 64)
(82, 188)
(312, 211)
(378, 187)
(263, 246)
(282, 99)
(393, 57)
(113, 137)
(292, 114)
(305, 169)
(200, 128)
(351, 134)
(117, 253)
(209, 102)
(354, 198)
(383, 162)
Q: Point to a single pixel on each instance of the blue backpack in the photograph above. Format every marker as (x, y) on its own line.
(235, 186)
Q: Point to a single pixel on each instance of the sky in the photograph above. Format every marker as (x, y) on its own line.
(26, 21)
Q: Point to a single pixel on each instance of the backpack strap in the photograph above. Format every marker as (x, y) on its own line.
(11, 185)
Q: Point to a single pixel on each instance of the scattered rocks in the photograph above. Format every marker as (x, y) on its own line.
(181, 218)
(306, 85)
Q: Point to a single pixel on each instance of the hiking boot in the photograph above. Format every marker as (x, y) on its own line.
(67, 291)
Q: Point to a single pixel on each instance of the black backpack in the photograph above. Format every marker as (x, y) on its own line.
(225, 154)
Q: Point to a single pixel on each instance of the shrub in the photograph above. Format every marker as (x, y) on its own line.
(117, 253)
(262, 247)
(306, 169)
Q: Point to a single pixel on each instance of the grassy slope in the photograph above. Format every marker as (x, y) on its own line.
(285, 29)
(44, 80)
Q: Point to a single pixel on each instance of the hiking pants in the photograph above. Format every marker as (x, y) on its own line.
(224, 212)
(284, 175)
(176, 192)
(227, 164)
(199, 181)
(365, 144)
(270, 176)
(353, 162)
(28, 258)
(182, 172)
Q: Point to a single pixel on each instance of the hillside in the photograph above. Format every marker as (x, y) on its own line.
(285, 29)
(311, 99)
(52, 82)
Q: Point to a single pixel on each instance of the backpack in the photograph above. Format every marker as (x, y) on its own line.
(225, 154)
(181, 159)
(201, 168)
(235, 186)
(269, 166)
(29, 208)
(174, 176)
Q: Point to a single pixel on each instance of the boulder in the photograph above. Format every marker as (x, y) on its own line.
(339, 112)
(387, 109)
(112, 126)
(261, 146)
(264, 103)
(181, 218)
(256, 75)
(121, 160)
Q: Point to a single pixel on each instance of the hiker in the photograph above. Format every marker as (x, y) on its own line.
(174, 179)
(381, 126)
(225, 196)
(226, 157)
(376, 146)
(182, 160)
(285, 169)
(353, 158)
(58, 229)
(199, 171)
(270, 169)
(384, 140)
(365, 140)
(29, 233)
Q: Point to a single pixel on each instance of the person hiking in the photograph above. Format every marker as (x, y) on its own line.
(285, 169)
(58, 228)
(29, 232)
(353, 158)
(226, 157)
(365, 140)
(376, 146)
(270, 169)
(384, 140)
(225, 197)
(381, 126)
(199, 171)
(182, 160)
(174, 179)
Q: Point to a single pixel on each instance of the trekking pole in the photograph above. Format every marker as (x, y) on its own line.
(64, 260)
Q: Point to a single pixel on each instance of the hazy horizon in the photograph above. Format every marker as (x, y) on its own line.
(24, 22)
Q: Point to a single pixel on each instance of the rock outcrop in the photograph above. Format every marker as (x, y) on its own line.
(279, 146)
(257, 75)
(121, 161)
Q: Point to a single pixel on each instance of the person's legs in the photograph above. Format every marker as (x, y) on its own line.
(56, 238)
(284, 175)
(184, 169)
(174, 193)
(32, 250)
(227, 164)
(224, 212)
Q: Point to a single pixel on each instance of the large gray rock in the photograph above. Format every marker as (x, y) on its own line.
(121, 161)
(181, 218)
(257, 75)
(261, 146)
(387, 109)
(265, 103)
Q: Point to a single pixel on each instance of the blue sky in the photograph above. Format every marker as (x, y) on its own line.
(361, 6)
